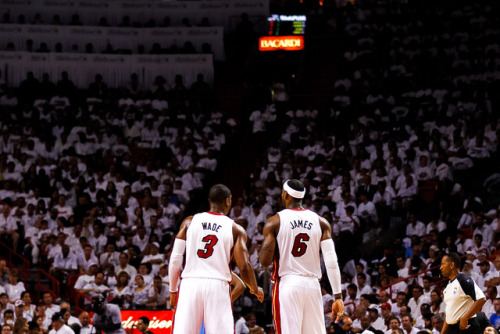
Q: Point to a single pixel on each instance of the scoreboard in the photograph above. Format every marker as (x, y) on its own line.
(285, 32)
(286, 25)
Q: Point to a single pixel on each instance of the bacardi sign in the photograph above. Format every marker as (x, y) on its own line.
(288, 43)
(160, 322)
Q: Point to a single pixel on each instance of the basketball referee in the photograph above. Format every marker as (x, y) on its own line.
(463, 298)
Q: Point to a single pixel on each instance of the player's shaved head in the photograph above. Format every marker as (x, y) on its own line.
(219, 193)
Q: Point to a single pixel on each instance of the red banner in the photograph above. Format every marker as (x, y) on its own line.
(288, 43)
(160, 322)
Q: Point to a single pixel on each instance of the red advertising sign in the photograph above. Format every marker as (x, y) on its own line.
(288, 43)
(160, 321)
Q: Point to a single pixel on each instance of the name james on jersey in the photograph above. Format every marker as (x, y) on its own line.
(300, 223)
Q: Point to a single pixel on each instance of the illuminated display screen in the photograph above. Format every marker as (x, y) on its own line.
(286, 25)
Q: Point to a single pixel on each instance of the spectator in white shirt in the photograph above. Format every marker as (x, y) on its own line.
(50, 309)
(376, 321)
(140, 239)
(384, 195)
(417, 300)
(87, 259)
(64, 264)
(110, 256)
(407, 324)
(14, 288)
(86, 327)
(435, 224)
(155, 258)
(484, 274)
(98, 240)
(402, 267)
(8, 226)
(158, 294)
(88, 277)
(96, 287)
(414, 227)
(424, 172)
(363, 288)
(367, 210)
(484, 230)
(62, 209)
(124, 265)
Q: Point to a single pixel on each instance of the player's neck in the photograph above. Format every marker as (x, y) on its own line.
(296, 206)
(217, 209)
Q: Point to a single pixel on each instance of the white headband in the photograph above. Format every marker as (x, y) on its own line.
(292, 192)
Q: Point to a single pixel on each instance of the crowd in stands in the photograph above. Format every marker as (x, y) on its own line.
(75, 20)
(186, 47)
(404, 165)
(96, 182)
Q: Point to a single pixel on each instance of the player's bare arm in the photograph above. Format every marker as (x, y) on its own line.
(326, 229)
(332, 268)
(240, 253)
(183, 229)
(271, 228)
(174, 269)
(238, 287)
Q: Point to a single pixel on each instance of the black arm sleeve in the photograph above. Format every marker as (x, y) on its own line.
(468, 285)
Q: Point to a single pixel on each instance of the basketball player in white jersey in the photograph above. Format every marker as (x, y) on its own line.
(210, 239)
(299, 234)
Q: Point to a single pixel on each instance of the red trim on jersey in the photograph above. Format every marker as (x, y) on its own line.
(276, 307)
(276, 266)
(215, 213)
(298, 209)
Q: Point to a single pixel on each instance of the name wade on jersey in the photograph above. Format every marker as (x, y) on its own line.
(300, 223)
(211, 227)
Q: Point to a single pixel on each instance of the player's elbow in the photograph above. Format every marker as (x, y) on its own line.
(264, 261)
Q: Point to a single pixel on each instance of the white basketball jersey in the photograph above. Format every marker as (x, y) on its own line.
(209, 241)
(299, 243)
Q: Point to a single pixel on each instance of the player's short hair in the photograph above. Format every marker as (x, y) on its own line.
(455, 258)
(219, 193)
(296, 185)
(145, 320)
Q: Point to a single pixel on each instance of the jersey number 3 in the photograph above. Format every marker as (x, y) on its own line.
(211, 240)
(299, 245)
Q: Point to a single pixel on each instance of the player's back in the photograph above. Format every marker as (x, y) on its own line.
(299, 240)
(209, 241)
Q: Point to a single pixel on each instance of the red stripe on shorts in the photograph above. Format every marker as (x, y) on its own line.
(276, 307)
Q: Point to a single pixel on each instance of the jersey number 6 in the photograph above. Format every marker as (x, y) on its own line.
(299, 246)
(211, 240)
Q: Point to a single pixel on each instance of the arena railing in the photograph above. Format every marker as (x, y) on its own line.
(55, 285)
(13, 259)
(403, 279)
(79, 300)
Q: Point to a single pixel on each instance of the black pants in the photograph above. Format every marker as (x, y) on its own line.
(474, 328)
